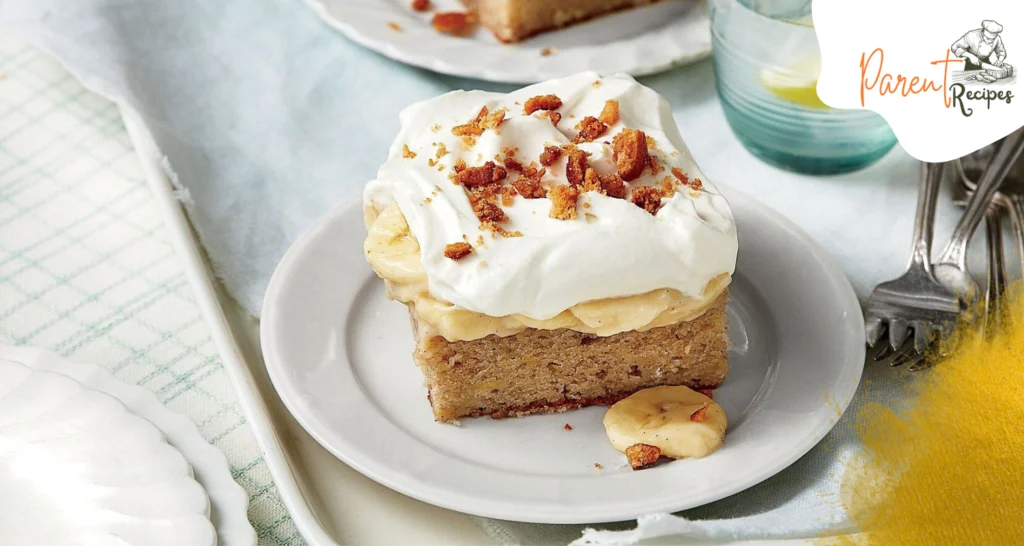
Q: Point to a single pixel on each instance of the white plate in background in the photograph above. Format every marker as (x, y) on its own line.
(43, 394)
(339, 355)
(639, 41)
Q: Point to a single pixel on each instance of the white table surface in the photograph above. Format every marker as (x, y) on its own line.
(86, 270)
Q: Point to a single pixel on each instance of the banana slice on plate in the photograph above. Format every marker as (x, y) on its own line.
(679, 421)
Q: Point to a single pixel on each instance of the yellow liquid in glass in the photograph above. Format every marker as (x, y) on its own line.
(798, 83)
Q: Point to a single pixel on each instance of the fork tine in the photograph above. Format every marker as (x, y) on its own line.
(903, 354)
(881, 351)
(874, 327)
(897, 332)
(923, 335)
(920, 362)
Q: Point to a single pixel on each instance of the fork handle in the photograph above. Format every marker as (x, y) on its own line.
(1017, 220)
(924, 220)
(955, 253)
(996, 272)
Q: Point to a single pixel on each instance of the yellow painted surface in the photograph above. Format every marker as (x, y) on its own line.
(949, 468)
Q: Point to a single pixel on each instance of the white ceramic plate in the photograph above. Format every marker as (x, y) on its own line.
(114, 462)
(339, 354)
(640, 41)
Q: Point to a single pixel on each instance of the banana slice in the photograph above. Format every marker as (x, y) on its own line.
(679, 421)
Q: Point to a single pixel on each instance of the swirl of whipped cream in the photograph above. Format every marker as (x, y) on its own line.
(612, 249)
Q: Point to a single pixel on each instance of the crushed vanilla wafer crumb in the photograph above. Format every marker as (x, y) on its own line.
(457, 251)
(610, 113)
(563, 202)
(542, 102)
(700, 415)
(641, 456)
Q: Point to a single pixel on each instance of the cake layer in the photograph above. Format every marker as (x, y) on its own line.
(540, 371)
(395, 255)
(514, 20)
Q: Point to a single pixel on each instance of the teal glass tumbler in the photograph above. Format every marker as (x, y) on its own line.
(766, 62)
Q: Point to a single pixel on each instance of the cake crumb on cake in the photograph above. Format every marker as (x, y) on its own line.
(394, 26)
(591, 182)
(483, 120)
(567, 427)
(468, 129)
(550, 155)
(492, 120)
(488, 173)
(407, 153)
(599, 466)
(609, 184)
(563, 202)
(457, 251)
(542, 102)
(486, 209)
(641, 456)
(530, 188)
(630, 153)
(555, 117)
(508, 195)
(589, 129)
(575, 166)
(497, 229)
(548, 51)
(647, 198)
(678, 173)
(655, 164)
(421, 5)
(510, 161)
(610, 112)
(701, 414)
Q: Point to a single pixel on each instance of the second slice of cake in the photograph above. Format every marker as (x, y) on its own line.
(515, 20)
(556, 247)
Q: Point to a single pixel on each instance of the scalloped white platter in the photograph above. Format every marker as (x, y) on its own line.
(87, 459)
(639, 41)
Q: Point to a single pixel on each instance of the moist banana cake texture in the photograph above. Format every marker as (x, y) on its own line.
(541, 371)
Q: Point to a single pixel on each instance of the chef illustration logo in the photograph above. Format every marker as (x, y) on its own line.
(974, 73)
(984, 63)
(984, 56)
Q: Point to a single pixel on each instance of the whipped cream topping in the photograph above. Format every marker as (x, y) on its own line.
(612, 249)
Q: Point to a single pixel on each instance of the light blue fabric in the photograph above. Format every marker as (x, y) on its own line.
(270, 118)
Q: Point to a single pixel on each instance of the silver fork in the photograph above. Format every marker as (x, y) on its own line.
(951, 267)
(1002, 205)
(916, 300)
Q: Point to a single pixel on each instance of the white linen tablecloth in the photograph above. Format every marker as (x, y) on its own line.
(87, 270)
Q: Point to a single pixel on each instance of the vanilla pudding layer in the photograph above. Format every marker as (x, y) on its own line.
(394, 253)
(612, 268)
